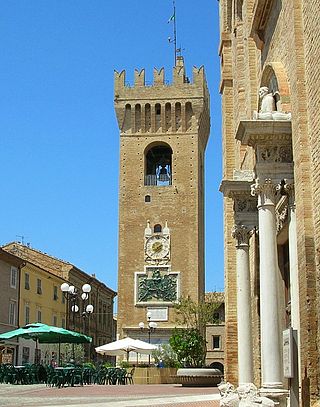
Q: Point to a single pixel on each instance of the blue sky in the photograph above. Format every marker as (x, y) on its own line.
(59, 141)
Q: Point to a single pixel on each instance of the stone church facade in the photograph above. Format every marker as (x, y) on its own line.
(270, 87)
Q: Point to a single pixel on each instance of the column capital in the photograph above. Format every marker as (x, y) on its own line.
(286, 187)
(265, 190)
(244, 204)
(242, 234)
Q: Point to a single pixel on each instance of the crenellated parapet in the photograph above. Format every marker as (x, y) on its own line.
(177, 107)
(179, 80)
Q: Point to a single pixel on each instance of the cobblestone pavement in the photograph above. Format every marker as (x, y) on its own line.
(161, 395)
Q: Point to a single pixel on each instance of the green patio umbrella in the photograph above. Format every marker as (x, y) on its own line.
(42, 333)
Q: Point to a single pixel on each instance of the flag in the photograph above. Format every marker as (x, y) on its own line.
(171, 18)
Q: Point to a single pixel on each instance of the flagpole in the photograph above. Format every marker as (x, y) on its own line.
(174, 32)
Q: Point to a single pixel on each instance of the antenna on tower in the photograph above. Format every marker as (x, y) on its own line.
(174, 39)
(21, 239)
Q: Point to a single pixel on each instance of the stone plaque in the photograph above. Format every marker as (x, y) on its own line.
(287, 342)
(158, 314)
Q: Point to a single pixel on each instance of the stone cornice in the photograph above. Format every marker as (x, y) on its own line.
(225, 83)
(225, 41)
(231, 189)
(252, 132)
(245, 205)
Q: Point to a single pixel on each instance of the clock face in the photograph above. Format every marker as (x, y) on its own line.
(157, 247)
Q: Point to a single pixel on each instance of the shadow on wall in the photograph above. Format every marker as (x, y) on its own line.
(270, 28)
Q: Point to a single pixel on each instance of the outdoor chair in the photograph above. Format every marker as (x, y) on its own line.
(50, 375)
(75, 376)
(9, 374)
(88, 374)
(129, 376)
(112, 375)
(58, 379)
(101, 376)
(1, 373)
(121, 376)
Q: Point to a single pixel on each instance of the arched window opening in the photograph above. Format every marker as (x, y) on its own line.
(168, 115)
(239, 6)
(157, 116)
(178, 115)
(127, 118)
(189, 114)
(147, 198)
(138, 118)
(148, 117)
(157, 228)
(159, 166)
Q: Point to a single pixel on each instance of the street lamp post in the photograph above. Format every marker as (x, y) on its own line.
(72, 296)
(151, 327)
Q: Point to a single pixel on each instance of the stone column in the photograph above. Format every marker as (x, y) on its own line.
(271, 357)
(245, 354)
(293, 259)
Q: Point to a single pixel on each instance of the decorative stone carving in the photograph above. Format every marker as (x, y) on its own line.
(268, 107)
(242, 234)
(245, 205)
(266, 191)
(282, 216)
(274, 154)
(245, 395)
(286, 187)
(157, 287)
(249, 397)
(229, 396)
(243, 175)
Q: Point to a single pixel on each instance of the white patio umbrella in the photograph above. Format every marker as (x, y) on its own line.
(125, 346)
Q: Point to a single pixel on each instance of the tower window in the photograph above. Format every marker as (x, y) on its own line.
(157, 228)
(158, 108)
(158, 166)
(147, 198)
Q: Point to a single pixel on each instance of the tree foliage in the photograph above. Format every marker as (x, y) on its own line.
(166, 355)
(190, 347)
(197, 315)
(189, 342)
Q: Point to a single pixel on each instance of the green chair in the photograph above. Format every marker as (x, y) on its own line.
(121, 376)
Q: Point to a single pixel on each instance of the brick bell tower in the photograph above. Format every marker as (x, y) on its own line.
(164, 130)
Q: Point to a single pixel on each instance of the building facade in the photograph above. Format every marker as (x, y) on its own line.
(46, 274)
(215, 338)
(163, 135)
(270, 81)
(10, 270)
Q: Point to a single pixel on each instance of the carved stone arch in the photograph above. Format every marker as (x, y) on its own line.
(274, 76)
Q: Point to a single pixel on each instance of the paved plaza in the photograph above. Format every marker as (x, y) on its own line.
(94, 395)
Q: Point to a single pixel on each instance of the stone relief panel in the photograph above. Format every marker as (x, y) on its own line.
(274, 154)
(245, 204)
(157, 285)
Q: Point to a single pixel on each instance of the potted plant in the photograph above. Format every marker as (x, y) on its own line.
(189, 342)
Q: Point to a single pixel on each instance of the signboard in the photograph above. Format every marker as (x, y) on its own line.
(287, 344)
(158, 314)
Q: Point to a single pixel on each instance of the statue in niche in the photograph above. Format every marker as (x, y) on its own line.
(268, 107)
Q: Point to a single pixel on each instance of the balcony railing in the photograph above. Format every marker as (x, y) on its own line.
(157, 180)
